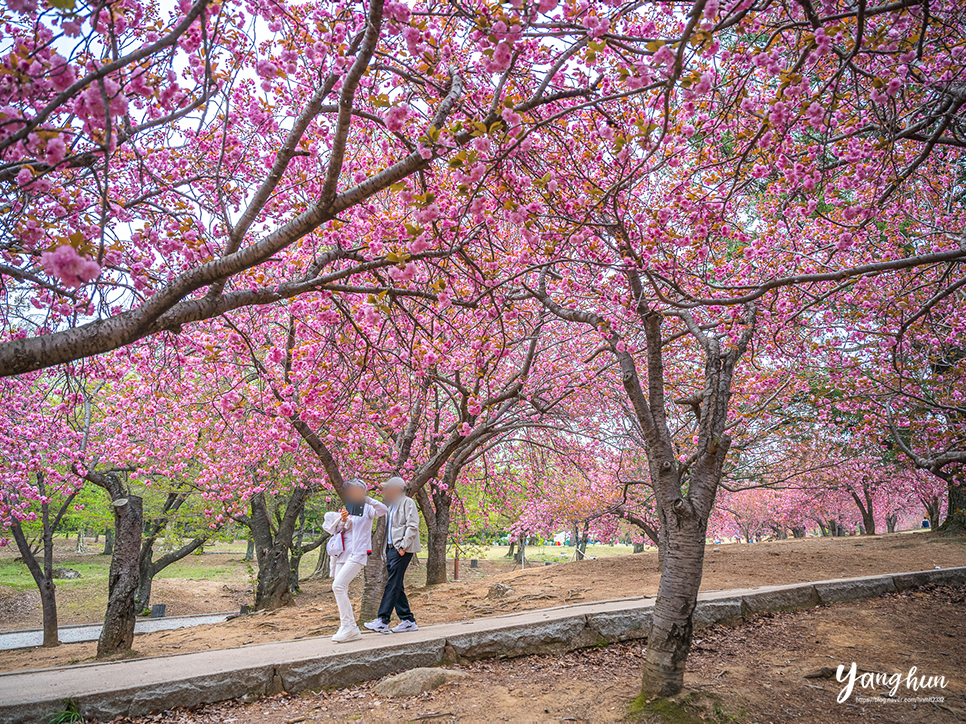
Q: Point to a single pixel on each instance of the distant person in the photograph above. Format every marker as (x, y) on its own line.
(402, 541)
(353, 525)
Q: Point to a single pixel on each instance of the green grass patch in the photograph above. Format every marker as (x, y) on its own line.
(191, 569)
(689, 708)
(17, 576)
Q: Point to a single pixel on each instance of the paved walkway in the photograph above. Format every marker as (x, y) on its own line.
(140, 686)
(10, 640)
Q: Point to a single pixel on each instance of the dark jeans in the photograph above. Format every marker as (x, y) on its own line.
(394, 597)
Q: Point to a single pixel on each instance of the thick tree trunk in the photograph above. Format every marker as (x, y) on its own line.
(511, 553)
(891, 521)
(250, 550)
(638, 548)
(117, 635)
(375, 573)
(272, 590)
(436, 553)
(272, 549)
(48, 604)
(436, 512)
(669, 640)
(867, 527)
(81, 546)
(798, 532)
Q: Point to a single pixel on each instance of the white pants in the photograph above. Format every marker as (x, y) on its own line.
(342, 574)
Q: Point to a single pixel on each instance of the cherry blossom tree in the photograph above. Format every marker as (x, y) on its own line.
(170, 164)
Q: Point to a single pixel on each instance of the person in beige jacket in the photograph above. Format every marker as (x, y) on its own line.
(402, 542)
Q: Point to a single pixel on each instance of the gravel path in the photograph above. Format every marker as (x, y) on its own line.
(12, 640)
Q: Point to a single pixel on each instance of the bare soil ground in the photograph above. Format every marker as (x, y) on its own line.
(775, 669)
(726, 567)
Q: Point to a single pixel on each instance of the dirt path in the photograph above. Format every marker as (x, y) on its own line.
(772, 669)
(726, 567)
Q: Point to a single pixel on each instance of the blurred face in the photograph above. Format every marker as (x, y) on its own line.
(392, 494)
(355, 494)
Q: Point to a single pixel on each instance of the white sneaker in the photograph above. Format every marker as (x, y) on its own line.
(405, 626)
(377, 625)
(344, 636)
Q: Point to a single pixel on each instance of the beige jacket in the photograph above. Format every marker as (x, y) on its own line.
(405, 526)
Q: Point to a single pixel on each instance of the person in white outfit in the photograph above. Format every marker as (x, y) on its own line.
(356, 541)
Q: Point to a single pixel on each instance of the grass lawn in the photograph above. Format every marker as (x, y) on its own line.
(547, 553)
(16, 575)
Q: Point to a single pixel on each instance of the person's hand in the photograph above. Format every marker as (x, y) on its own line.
(344, 514)
(401, 551)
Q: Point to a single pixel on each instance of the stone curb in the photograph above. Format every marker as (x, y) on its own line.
(141, 686)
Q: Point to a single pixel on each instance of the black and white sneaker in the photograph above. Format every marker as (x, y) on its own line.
(377, 625)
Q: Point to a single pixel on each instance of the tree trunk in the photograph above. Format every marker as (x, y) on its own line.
(512, 552)
(436, 512)
(638, 547)
(955, 523)
(271, 590)
(142, 597)
(798, 532)
(582, 546)
(322, 565)
(42, 575)
(250, 550)
(81, 546)
(933, 509)
(108, 542)
(375, 573)
(669, 640)
(891, 521)
(294, 561)
(272, 549)
(867, 526)
(117, 635)
(436, 552)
